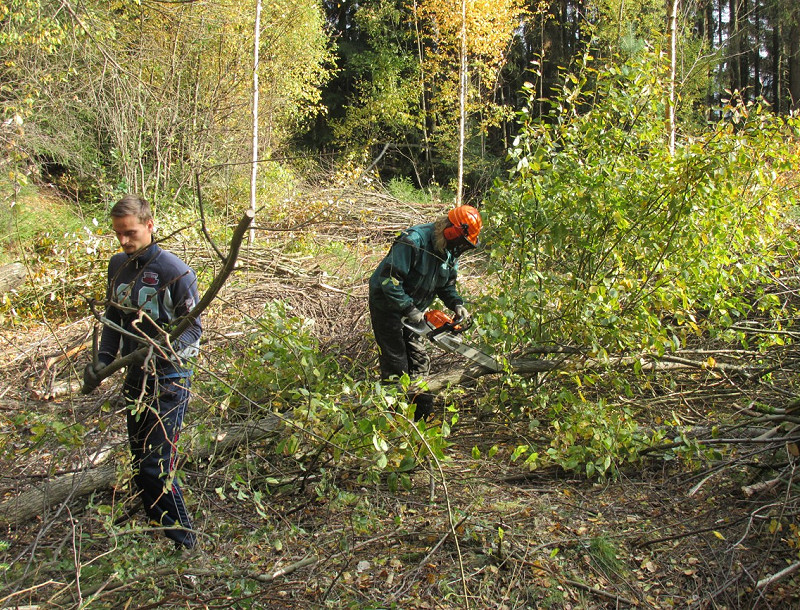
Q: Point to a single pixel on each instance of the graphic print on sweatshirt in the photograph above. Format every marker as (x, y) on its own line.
(147, 297)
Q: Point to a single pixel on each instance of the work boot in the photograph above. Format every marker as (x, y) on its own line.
(424, 406)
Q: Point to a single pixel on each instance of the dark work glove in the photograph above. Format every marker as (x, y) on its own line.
(90, 378)
(415, 317)
(462, 315)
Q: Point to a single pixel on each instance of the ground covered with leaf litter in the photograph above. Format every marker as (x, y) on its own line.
(478, 529)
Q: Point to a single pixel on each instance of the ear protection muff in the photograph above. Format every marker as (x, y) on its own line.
(453, 232)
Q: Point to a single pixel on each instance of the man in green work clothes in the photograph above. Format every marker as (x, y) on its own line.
(421, 265)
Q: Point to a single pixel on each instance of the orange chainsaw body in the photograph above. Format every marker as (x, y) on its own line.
(438, 319)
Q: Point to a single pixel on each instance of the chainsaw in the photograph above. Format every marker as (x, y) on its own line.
(445, 333)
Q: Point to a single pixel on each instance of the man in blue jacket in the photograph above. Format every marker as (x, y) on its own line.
(421, 265)
(148, 291)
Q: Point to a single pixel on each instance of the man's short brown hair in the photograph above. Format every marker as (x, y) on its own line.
(133, 205)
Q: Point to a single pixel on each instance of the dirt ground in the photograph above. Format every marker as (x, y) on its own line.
(469, 532)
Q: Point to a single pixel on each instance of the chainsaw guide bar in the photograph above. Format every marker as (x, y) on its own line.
(444, 332)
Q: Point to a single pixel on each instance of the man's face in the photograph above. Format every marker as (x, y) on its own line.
(132, 233)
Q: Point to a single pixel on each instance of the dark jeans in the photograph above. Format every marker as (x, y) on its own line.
(401, 351)
(154, 424)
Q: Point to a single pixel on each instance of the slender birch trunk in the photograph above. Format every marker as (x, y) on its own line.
(422, 92)
(673, 50)
(254, 169)
(462, 101)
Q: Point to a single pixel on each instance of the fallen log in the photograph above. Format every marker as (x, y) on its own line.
(37, 500)
(575, 360)
(468, 376)
(11, 276)
(63, 488)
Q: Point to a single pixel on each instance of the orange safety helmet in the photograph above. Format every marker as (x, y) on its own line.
(466, 222)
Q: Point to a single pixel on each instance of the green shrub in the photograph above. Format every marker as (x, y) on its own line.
(403, 189)
(604, 239)
(332, 413)
(592, 437)
(601, 237)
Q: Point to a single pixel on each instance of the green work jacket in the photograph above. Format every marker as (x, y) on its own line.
(412, 274)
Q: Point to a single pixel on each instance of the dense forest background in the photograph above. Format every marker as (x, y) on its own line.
(147, 93)
(636, 166)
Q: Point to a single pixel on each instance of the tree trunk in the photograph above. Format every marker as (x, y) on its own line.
(711, 26)
(11, 276)
(777, 68)
(422, 94)
(38, 500)
(462, 103)
(672, 12)
(733, 47)
(743, 48)
(794, 60)
(756, 52)
(739, 48)
(254, 167)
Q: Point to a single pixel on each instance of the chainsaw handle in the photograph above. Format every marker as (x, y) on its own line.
(442, 329)
(423, 328)
(459, 325)
(439, 322)
(454, 327)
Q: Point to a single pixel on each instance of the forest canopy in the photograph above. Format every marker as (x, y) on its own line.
(145, 94)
